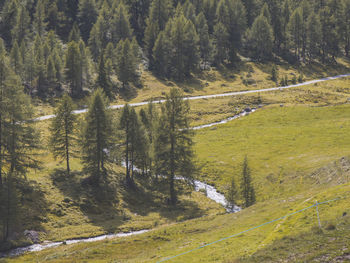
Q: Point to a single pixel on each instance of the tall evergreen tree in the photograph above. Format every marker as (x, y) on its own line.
(103, 79)
(87, 16)
(247, 188)
(73, 69)
(126, 62)
(261, 38)
(314, 31)
(173, 145)
(62, 131)
(97, 137)
(120, 28)
(232, 194)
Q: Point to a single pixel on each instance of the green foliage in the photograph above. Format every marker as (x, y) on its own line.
(261, 38)
(126, 61)
(62, 131)
(173, 144)
(97, 137)
(73, 66)
(247, 188)
(274, 74)
(232, 195)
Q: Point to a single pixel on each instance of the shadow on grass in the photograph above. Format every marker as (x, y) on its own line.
(28, 211)
(153, 196)
(98, 203)
(109, 205)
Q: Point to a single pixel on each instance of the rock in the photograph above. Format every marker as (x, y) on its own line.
(248, 109)
(281, 105)
(32, 235)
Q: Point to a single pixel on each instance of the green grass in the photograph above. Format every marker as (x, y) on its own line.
(172, 240)
(291, 150)
(284, 145)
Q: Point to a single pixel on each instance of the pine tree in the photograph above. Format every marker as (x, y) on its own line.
(173, 145)
(149, 119)
(231, 196)
(21, 29)
(205, 43)
(62, 131)
(74, 34)
(126, 126)
(87, 17)
(221, 43)
(184, 40)
(73, 69)
(40, 18)
(96, 137)
(162, 55)
(314, 37)
(247, 189)
(261, 38)
(126, 62)
(21, 142)
(120, 28)
(103, 79)
(274, 74)
(295, 28)
(16, 58)
(159, 14)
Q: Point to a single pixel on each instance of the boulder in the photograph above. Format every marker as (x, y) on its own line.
(32, 235)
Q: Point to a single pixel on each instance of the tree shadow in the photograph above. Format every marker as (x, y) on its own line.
(153, 197)
(29, 209)
(98, 203)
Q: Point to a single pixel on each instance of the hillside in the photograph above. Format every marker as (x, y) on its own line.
(174, 130)
(300, 156)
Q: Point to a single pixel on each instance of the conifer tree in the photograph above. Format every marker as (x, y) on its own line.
(126, 62)
(173, 145)
(87, 16)
(159, 14)
(121, 28)
(295, 28)
(314, 37)
(205, 44)
(62, 131)
(162, 55)
(221, 43)
(73, 69)
(126, 126)
(40, 18)
(261, 38)
(232, 195)
(74, 34)
(16, 58)
(247, 189)
(103, 79)
(96, 137)
(149, 119)
(21, 29)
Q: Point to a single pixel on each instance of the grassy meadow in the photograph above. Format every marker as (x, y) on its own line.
(297, 145)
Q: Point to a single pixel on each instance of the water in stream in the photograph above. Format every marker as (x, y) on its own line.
(210, 191)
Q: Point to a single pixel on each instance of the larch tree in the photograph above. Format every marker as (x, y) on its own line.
(261, 38)
(62, 130)
(97, 135)
(173, 144)
(247, 188)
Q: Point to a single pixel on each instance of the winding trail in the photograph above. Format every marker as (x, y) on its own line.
(230, 94)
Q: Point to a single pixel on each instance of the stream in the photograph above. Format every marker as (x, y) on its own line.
(210, 191)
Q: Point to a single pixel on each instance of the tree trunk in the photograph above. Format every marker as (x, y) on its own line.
(172, 161)
(128, 181)
(67, 148)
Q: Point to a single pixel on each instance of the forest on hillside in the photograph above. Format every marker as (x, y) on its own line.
(79, 45)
